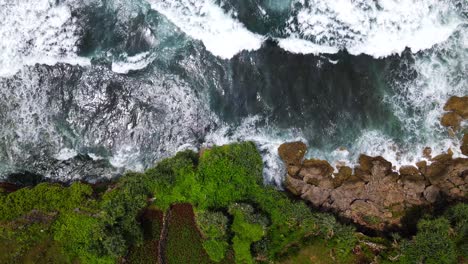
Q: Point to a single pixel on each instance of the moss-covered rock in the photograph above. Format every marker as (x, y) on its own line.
(292, 153)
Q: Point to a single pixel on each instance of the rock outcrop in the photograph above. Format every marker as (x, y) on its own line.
(373, 195)
(457, 111)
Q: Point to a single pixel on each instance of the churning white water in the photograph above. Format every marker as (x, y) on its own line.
(103, 108)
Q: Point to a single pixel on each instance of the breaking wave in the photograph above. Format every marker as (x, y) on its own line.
(89, 89)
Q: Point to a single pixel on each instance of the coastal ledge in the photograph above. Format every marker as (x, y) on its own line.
(372, 195)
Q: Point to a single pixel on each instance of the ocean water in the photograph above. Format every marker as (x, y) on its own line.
(93, 88)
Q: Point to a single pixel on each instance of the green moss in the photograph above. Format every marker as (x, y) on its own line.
(236, 214)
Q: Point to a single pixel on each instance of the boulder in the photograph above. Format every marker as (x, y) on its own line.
(344, 173)
(427, 152)
(317, 196)
(292, 153)
(294, 185)
(432, 193)
(317, 167)
(458, 105)
(378, 166)
(451, 119)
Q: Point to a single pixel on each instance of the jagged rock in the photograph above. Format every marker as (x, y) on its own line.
(438, 168)
(427, 152)
(317, 196)
(293, 170)
(317, 167)
(432, 193)
(377, 166)
(464, 145)
(292, 153)
(344, 173)
(410, 172)
(293, 185)
(451, 119)
(458, 105)
(375, 196)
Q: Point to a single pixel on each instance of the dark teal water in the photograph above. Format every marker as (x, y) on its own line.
(159, 82)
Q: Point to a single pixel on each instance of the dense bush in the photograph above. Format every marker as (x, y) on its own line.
(458, 216)
(214, 225)
(236, 214)
(246, 231)
(45, 197)
(432, 244)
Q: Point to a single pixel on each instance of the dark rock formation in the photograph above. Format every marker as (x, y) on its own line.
(374, 195)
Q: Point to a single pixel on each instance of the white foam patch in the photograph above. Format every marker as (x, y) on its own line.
(66, 154)
(204, 20)
(441, 73)
(125, 64)
(128, 157)
(300, 46)
(377, 28)
(36, 32)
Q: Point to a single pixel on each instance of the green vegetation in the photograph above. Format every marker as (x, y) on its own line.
(211, 208)
(183, 242)
(215, 227)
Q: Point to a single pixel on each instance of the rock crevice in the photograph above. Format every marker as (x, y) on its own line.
(373, 195)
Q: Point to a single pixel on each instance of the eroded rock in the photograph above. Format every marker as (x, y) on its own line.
(374, 195)
(458, 105)
(292, 153)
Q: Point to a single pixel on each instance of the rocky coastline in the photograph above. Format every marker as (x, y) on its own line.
(373, 194)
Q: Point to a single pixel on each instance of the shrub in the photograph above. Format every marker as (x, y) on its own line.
(173, 180)
(458, 217)
(214, 226)
(80, 235)
(432, 244)
(45, 197)
(245, 233)
(228, 174)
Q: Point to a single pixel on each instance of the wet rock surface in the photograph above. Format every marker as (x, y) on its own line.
(457, 111)
(373, 195)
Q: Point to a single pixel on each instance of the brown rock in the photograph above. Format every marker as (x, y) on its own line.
(375, 196)
(431, 193)
(293, 170)
(443, 157)
(451, 119)
(427, 152)
(317, 167)
(375, 165)
(422, 165)
(292, 153)
(409, 171)
(293, 185)
(458, 105)
(344, 173)
(317, 196)
(464, 145)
